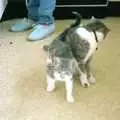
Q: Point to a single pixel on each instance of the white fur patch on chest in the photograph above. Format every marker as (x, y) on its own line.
(62, 76)
(90, 38)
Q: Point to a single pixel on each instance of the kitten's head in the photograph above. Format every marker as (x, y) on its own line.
(61, 66)
(98, 26)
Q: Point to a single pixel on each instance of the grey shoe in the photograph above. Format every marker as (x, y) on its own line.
(22, 25)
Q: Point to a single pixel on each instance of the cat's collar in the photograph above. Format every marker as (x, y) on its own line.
(96, 38)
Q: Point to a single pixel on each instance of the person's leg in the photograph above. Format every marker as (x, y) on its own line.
(41, 11)
(26, 23)
(33, 9)
(45, 11)
(45, 22)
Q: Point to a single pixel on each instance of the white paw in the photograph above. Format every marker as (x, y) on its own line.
(50, 89)
(92, 80)
(84, 80)
(70, 99)
(85, 84)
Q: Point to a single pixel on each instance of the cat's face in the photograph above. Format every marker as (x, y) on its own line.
(59, 67)
(99, 26)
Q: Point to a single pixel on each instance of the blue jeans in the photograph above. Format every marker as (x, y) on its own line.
(41, 11)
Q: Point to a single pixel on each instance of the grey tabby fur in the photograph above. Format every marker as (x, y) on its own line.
(67, 53)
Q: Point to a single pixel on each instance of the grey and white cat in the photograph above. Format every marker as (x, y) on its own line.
(72, 50)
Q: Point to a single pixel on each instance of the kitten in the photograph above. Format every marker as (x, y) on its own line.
(72, 50)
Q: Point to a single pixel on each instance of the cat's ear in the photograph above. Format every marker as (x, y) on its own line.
(92, 18)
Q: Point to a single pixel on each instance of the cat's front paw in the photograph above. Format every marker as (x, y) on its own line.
(85, 84)
(70, 99)
(50, 88)
(84, 81)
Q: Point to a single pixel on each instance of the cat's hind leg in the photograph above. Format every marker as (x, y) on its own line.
(50, 83)
(69, 90)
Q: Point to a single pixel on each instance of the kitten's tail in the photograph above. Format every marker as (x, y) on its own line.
(74, 24)
(63, 34)
(77, 21)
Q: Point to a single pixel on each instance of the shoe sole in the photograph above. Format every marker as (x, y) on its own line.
(21, 30)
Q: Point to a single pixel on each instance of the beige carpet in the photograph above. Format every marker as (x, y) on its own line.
(23, 93)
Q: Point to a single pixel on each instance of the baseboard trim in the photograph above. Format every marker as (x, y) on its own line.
(113, 9)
